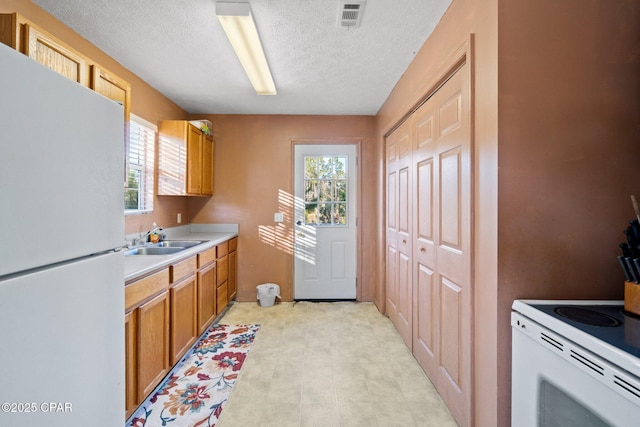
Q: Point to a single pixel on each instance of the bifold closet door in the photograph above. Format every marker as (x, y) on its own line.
(442, 312)
(399, 253)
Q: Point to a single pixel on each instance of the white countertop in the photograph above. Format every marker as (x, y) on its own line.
(212, 234)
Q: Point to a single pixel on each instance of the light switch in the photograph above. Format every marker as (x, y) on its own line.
(278, 217)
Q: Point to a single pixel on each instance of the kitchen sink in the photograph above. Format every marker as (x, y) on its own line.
(178, 243)
(145, 250)
(166, 247)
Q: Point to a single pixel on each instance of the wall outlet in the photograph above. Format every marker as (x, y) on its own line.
(278, 217)
(179, 219)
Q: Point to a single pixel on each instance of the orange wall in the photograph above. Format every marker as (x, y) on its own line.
(569, 108)
(253, 180)
(146, 102)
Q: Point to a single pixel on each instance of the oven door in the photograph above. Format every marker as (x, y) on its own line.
(558, 383)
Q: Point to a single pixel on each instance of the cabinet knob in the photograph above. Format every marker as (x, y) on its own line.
(423, 250)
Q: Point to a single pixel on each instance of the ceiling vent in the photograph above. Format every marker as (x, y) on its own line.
(350, 13)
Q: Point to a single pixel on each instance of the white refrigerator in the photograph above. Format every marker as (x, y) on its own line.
(61, 271)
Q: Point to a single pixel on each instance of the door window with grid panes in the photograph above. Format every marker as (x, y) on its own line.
(325, 194)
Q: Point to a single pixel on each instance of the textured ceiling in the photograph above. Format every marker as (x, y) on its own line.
(179, 48)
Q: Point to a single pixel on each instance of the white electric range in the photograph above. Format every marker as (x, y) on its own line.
(575, 363)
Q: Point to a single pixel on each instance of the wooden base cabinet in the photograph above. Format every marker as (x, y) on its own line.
(183, 303)
(152, 343)
(131, 393)
(184, 327)
(222, 277)
(233, 268)
(207, 309)
(146, 336)
(166, 312)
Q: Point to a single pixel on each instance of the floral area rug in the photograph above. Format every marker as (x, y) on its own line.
(194, 392)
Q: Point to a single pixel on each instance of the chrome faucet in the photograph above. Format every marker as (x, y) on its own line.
(144, 237)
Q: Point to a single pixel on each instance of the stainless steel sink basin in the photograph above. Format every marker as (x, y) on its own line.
(178, 243)
(166, 247)
(145, 250)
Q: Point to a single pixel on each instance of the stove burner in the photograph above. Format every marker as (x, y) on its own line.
(590, 317)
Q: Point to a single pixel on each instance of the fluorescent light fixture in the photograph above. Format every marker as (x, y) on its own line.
(240, 28)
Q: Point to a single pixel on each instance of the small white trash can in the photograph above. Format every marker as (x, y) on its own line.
(267, 293)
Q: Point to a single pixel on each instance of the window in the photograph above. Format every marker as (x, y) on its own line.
(325, 194)
(138, 193)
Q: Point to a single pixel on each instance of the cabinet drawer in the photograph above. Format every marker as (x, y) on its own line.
(140, 290)
(223, 249)
(233, 244)
(206, 257)
(222, 273)
(183, 269)
(222, 295)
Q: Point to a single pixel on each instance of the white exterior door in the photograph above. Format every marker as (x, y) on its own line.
(325, 223)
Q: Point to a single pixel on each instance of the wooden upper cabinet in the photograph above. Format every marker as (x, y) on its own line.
(21, 34)
(33, 41)
(194, 160)
(52, 53)
(112, 87)
(207, 165)
(185, 159)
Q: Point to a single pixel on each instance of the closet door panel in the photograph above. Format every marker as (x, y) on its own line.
(399, 229)
(454, 242)
(404, 315)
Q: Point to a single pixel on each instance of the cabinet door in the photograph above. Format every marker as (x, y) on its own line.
(233, 274)
(131, 396)
(54, 54)
(194, 160)
(184, 327)
(152, 340)
(10, 33)
(207, 165)
(206, 296)
(113, 87)
(109, 85)
(172, 154)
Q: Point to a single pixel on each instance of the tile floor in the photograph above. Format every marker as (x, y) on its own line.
(328, 364)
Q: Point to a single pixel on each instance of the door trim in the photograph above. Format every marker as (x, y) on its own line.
(333, 141)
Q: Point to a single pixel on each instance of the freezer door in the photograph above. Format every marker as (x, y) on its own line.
(61, 176)
(62, 341)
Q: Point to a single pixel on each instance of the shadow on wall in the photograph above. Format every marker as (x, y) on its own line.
(281, 236)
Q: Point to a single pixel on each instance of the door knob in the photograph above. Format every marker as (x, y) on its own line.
(298, 222)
